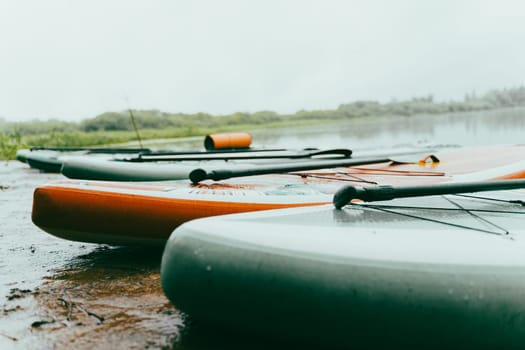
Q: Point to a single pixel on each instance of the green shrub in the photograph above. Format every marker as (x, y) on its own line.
(9, 144)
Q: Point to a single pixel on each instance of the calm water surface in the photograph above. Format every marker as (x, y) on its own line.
(460, 129)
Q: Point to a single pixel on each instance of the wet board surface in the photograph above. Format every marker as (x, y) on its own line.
(410, 272)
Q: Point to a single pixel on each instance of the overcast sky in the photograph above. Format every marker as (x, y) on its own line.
(71, 60)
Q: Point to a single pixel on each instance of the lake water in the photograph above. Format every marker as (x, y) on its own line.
(459, 129)
(30, 260)
(506, 126)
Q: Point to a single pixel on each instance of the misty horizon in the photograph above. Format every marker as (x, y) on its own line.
(72, 61)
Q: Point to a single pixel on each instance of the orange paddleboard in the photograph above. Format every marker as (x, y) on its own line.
(119, 213)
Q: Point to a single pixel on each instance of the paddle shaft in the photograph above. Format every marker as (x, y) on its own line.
(199, 175)
(271, 154)
(383, 193)
(92, 149)
(168, 153)
(150, 152)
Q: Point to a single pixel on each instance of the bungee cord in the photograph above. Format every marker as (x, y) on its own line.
(474, 212)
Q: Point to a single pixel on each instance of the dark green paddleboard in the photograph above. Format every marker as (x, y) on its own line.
(431, 272)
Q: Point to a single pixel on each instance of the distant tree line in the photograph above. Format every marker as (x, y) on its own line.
(494, 99)
(155, 119)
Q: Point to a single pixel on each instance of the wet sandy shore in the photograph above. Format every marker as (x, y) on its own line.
(57, 294)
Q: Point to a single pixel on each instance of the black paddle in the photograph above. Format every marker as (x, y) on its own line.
(166, 153)
(239, 155)
(383, 193)
(92, 149)
(199, 175)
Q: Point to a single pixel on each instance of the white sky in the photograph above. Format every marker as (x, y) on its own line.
(71, 60)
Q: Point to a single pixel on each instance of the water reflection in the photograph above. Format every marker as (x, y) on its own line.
(128, 259)
(461, 129)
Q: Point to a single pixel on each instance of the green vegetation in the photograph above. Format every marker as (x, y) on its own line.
(9, 144)
(117, 127)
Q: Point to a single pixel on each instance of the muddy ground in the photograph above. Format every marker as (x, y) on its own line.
(57, 294)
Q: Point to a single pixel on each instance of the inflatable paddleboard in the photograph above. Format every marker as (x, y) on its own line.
(146, 213)
(171, 166)
(431, 272)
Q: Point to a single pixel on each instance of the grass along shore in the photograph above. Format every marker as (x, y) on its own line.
(11, 142)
